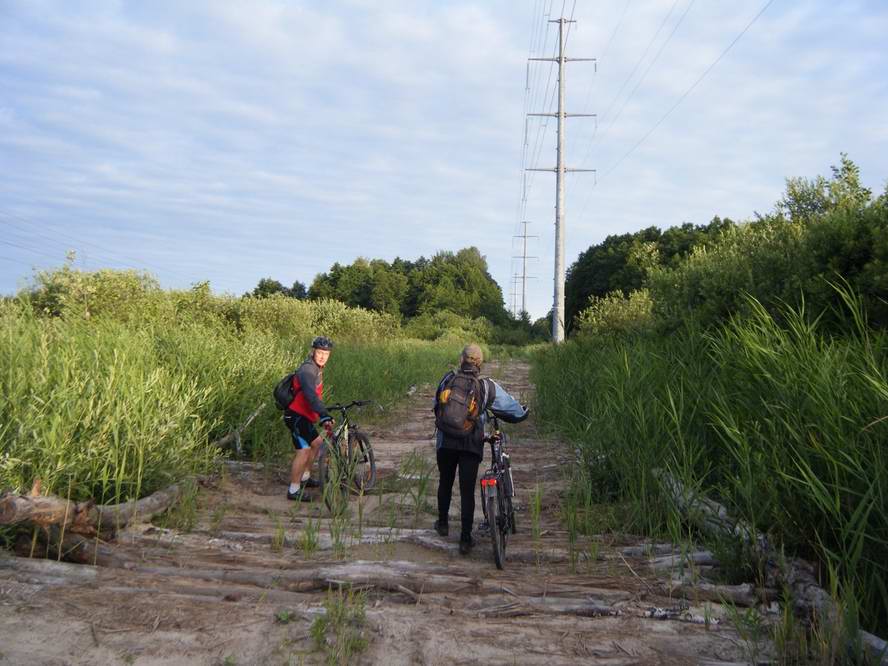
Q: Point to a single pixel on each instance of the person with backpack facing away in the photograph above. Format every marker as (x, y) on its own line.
(303, 412)
(461, 403)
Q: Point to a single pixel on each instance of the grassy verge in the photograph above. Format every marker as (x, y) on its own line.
(781, 422)
(114, 408)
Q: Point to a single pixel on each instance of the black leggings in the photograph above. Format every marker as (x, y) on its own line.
(467, 462)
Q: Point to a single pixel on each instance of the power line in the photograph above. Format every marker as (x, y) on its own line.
(610, 106)
(640, 60)
(111, 257)
(16, 261)
(691, 89)
(681, 98)
(585, 107)
(614, 33)
(28, 249)
(538, 31)
(650, 65)
(544, 125)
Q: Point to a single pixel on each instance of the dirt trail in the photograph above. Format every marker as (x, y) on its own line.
(246, 583)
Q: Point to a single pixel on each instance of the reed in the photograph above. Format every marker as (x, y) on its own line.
(114, 406)
(780, 421)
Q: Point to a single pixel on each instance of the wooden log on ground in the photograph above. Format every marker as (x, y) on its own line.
(745, 594)
(46, 571)
(695, 559)
(707, 514)
(109, 581)
(808, 596)
(394, 576)
(53, 544)
(649, 549)
(85, 518)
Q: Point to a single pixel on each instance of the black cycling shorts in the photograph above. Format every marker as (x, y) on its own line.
(302, 430)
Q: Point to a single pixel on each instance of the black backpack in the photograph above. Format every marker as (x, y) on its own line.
(284, 392)
(459, 405)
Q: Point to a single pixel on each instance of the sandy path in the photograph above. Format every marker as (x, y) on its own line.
(245, 584)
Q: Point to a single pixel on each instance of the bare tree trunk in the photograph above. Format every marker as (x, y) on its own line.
(232, 440)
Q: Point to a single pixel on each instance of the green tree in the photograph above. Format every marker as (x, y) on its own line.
(623, 263)
(455, 282)
(268, 287)
(806, 199)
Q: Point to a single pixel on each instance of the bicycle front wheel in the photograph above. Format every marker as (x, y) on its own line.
(332, 476)
(362, 461)
(495, 519)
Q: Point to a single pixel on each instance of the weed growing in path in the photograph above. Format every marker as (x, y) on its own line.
(308, 539)
(339, 632)
(417, 470)
(277, 537)
(182, 515)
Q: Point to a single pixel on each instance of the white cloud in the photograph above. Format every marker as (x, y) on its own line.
(396, 127)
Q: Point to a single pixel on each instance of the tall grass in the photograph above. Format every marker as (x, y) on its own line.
(113, 405)
(784, 424)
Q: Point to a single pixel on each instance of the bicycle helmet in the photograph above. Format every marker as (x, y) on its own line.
(322, 342)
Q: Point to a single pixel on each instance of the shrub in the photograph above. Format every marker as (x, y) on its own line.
(445, 324)
(616, 314)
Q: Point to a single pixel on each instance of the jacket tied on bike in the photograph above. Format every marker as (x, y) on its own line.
(308, 386)
(494, 398)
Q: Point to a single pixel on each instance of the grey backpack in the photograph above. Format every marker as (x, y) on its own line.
(459, 404)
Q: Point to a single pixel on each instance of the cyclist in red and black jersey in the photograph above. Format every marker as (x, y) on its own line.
(304, 412)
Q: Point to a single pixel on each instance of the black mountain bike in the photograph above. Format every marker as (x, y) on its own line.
(346, 463)
(497, 492)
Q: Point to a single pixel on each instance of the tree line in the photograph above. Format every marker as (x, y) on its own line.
(821, 230)
(449, 288)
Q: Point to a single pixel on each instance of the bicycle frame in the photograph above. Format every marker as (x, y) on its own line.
(351, 455)
(497, 491)
(340, 432)
(500, 467)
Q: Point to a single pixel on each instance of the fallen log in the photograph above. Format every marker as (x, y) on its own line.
(745, 594)
(648, 550)
(399, 577)
(678, 615)
(709, 515)
(809, 598)
(138, 583)
(53, 544)
(85, 518)
(696, 559)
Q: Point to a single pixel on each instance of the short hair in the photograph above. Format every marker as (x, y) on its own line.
(473, 354)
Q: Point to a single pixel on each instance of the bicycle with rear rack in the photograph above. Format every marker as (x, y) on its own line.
(346, 462)
(497, 492)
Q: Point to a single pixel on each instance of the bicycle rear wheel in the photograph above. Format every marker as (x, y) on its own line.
(361, 460)
(494, 518)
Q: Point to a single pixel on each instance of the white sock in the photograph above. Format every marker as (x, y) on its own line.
(306, 476)
(294, 488)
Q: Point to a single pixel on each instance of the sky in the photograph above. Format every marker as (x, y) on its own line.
(230, 141)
